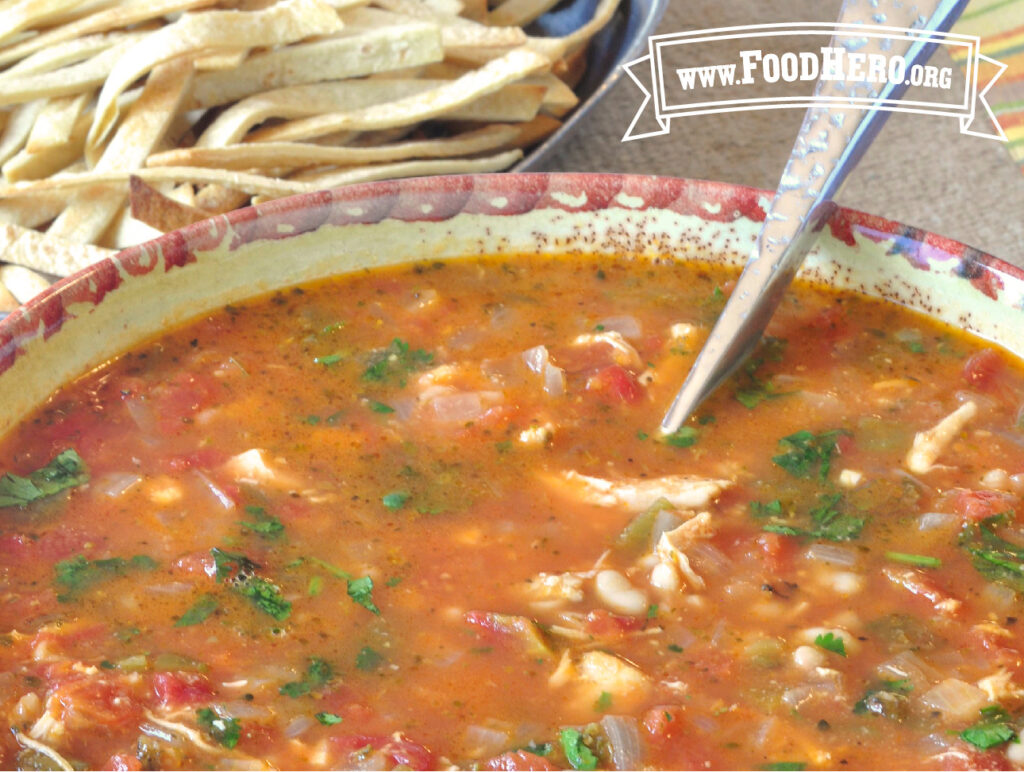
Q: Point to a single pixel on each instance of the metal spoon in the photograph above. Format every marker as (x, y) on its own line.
(831, 141)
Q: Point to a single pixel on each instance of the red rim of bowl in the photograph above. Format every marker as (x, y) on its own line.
(451, 195)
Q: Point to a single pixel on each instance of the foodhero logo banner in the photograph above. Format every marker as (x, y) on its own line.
(770, 66)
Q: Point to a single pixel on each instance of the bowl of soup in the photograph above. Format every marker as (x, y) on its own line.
(372, 479)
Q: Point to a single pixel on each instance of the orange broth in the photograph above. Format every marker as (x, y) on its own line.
(355, 525)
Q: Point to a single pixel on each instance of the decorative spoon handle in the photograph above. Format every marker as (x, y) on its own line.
(832, 139)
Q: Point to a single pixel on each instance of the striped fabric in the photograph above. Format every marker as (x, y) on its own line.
(1000, 25)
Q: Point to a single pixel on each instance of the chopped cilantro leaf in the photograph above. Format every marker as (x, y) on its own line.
(329, 360)
(888, 699)
(576, 751)
(66, 470)
(367, 659)
(239, 572)
(318, 673)
(361, 591)
(223, 729)
(267, 526)
(685, 437)
(396, 361)
(537, 749)
(395, 499)
(994, 558)
(675, 647)
(784, 766)
(199, 611)
(602, 703)
(922, 561)
(394, 581)
(380, 407)
(328, 719)
(994, 728)
(652, 611)
(316, 586)
(831, 642)
(78, 574)
(827, 521)
(807, 452)
(766, 509)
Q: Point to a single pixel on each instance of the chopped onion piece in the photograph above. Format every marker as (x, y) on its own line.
(536, 358)
(907, 665)
(485, 741)
(930, 521)
(554, 380)
(222, 498)
(623, 735)
(626, 326)
(144, 416)
(458, 408)
(956, 700)
(114, 484)
(170, 588)
(709, 559)
(832, 553)
(297, 726)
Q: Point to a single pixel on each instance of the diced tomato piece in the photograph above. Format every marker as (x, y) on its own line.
(605, 624)
(178, 401)
(663, 723)
(203, 459)
(401, 751)
(997, 649)
(178, 689)
(617, 383)
(982, 369)
(966, 757)
(778, 552)
(195, 564)
(514, 760)
(122, 762)
(845, 444)
(95, 702)
(979, 505)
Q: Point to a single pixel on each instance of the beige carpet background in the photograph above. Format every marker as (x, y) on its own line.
(920, 171)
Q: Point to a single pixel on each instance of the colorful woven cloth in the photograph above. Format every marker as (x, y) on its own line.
(1000, 25)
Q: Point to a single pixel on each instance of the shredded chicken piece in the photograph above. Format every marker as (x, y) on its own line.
(554, 588)
(38, 747)
(1000, 687)
(253, 468)
(622, 352)
(929, 444)
(671, 546)
(597, 671)
(48, 727)
(919, 585)
(682, 491)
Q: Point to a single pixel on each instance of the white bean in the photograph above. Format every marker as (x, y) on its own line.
(1015, 754)
(808, 657)
(618, 594)
(665, 577)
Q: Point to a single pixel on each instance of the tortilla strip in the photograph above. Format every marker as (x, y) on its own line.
(32, 211)
(89, 213)
(112, 18)
(18, 127)
(74, 79)
(331, 59)
(296, 154)
(557, 48)
(254, 184)
(221, 60)
(558, 98)
(513, 103)
(403, 169)
(150, 206)
(419, 107)
(440, 10)
(232, 124)
(7, 301)
(455, 32)
(519, 13)
(22, 282)
(218, 199)
(33, 13)
(32, 166)
(55, 123)
(285, 22)
(532, 132)
(41, 252)
(72, 52)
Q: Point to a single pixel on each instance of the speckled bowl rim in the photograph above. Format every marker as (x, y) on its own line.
(635, 213)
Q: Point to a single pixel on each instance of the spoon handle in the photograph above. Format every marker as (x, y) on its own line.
(831, 141)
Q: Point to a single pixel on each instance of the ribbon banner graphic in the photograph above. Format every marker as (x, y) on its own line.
(773, 66)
